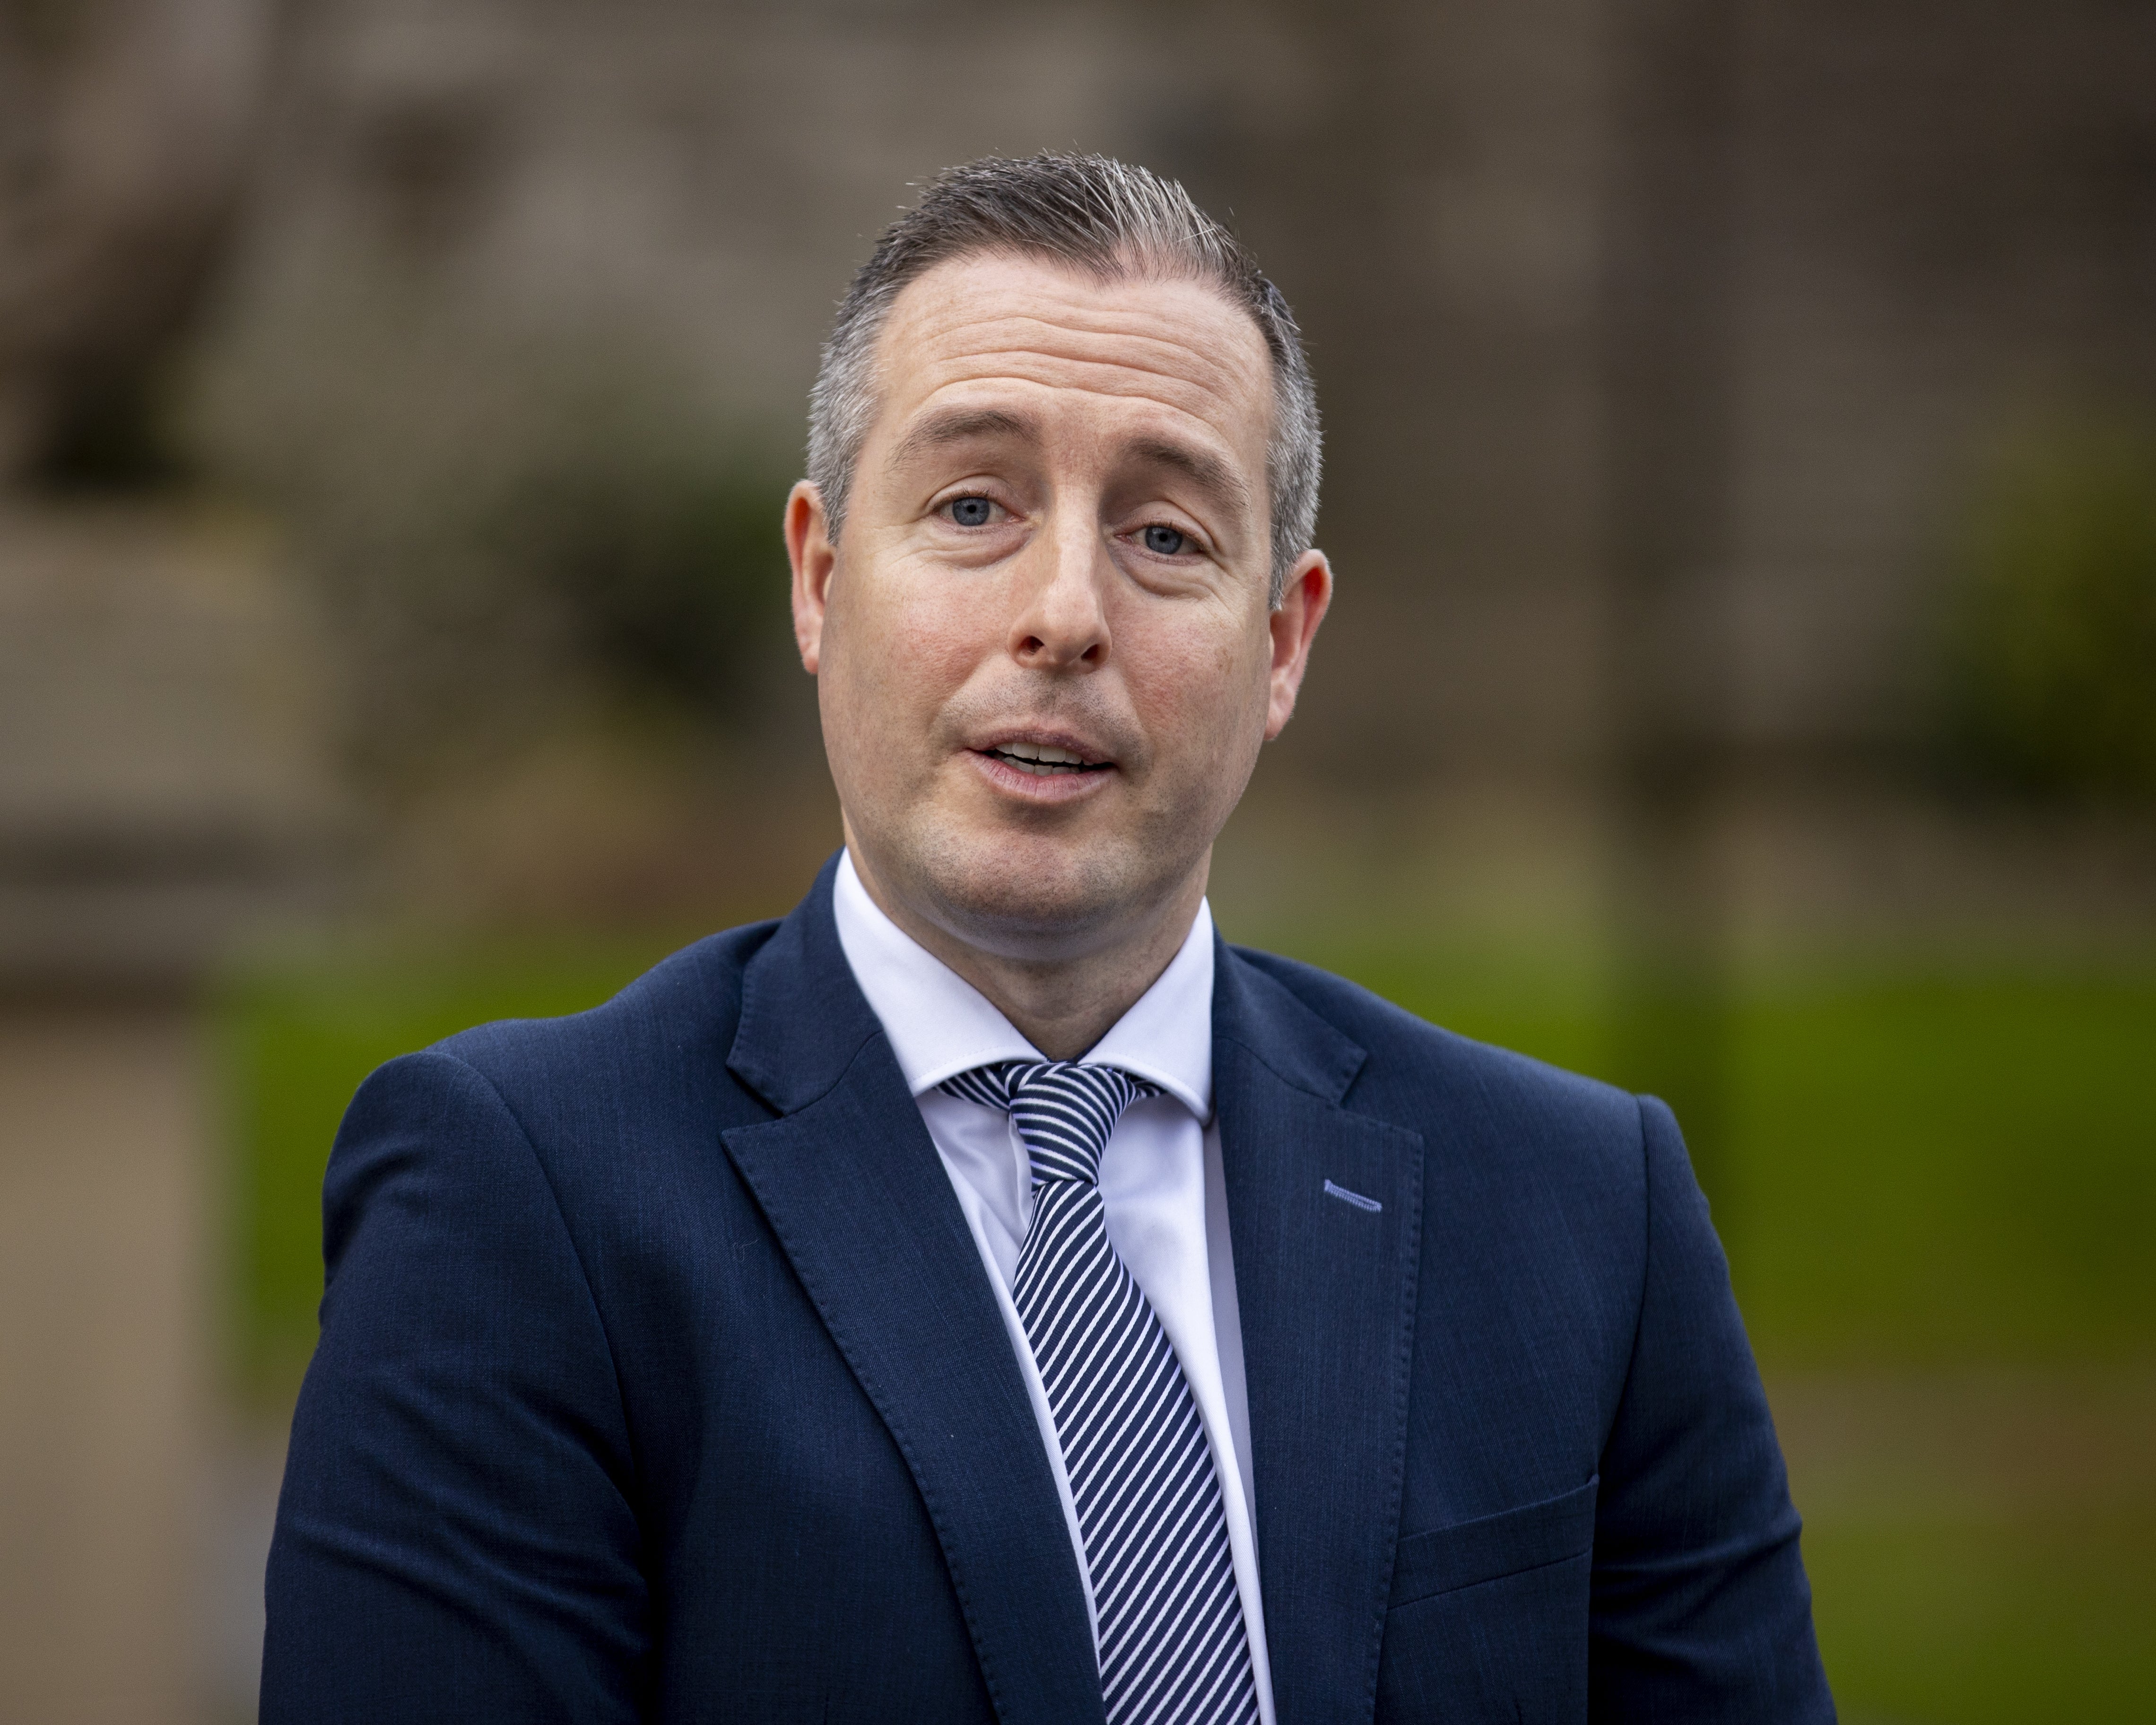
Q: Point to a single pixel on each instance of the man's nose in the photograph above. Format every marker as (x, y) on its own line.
(1062, 623)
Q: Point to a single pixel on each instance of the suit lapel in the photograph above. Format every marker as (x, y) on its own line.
(1326, 1291)
(861, 1205)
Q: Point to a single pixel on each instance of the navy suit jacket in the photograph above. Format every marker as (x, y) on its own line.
(660, 1378)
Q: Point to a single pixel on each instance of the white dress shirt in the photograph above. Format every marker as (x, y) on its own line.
(1160, 1183)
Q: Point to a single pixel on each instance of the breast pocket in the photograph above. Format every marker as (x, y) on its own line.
(1488, 1619)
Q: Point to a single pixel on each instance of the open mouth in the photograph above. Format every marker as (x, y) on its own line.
(1045, 761)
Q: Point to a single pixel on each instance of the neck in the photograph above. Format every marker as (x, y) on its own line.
(1062, 1005)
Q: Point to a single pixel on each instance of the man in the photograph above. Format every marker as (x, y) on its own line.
(985, 1294)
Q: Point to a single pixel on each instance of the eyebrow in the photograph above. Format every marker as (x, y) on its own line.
(956, 425)
(1201, 467)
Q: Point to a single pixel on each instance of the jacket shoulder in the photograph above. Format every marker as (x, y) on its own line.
(672, 1026)
(1411, 1066)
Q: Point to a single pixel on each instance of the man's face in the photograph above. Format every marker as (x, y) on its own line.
(1043, 652)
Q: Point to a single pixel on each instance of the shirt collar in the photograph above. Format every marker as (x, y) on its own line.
(939, 1024)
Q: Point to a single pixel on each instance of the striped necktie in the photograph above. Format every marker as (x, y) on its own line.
(1173, 1649)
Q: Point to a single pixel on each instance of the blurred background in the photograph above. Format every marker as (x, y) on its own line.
(1742, 482)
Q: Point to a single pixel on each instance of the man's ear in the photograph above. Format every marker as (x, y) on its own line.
(1294, 625)
(815, 559)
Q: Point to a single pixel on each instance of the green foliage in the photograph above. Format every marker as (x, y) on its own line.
(512, 539)
(2052, 665)
(662, 544)
(1946, 1169)
(1988, 1621)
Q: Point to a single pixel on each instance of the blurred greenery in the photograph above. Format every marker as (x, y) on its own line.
(2051, 663)
(1948, 1168)
(1985, 1620)
(1932, 1168)
(660, 543)
(565, 531)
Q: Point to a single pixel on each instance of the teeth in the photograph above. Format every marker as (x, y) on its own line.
(1041, 759)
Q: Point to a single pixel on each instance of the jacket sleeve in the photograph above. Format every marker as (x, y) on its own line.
(1701, 1610)
(456, 1539)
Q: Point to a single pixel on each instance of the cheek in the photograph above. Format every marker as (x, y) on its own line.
(899, 646)
(1204, 690)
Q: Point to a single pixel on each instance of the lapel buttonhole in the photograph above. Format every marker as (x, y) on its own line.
(1356, 1199)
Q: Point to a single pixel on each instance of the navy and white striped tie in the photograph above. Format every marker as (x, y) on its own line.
(1173, 1650)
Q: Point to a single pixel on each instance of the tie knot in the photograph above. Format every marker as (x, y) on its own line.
(1064, 1110)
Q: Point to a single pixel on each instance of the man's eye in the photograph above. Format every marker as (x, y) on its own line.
(1166, 541)
(972, 511)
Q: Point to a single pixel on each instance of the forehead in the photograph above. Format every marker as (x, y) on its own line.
(1144, 353)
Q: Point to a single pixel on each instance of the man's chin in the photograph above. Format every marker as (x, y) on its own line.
(1028, 900)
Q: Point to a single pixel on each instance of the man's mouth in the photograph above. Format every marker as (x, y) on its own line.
(1044, 760)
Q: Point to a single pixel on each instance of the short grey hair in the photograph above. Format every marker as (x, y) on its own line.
(1098, 215)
